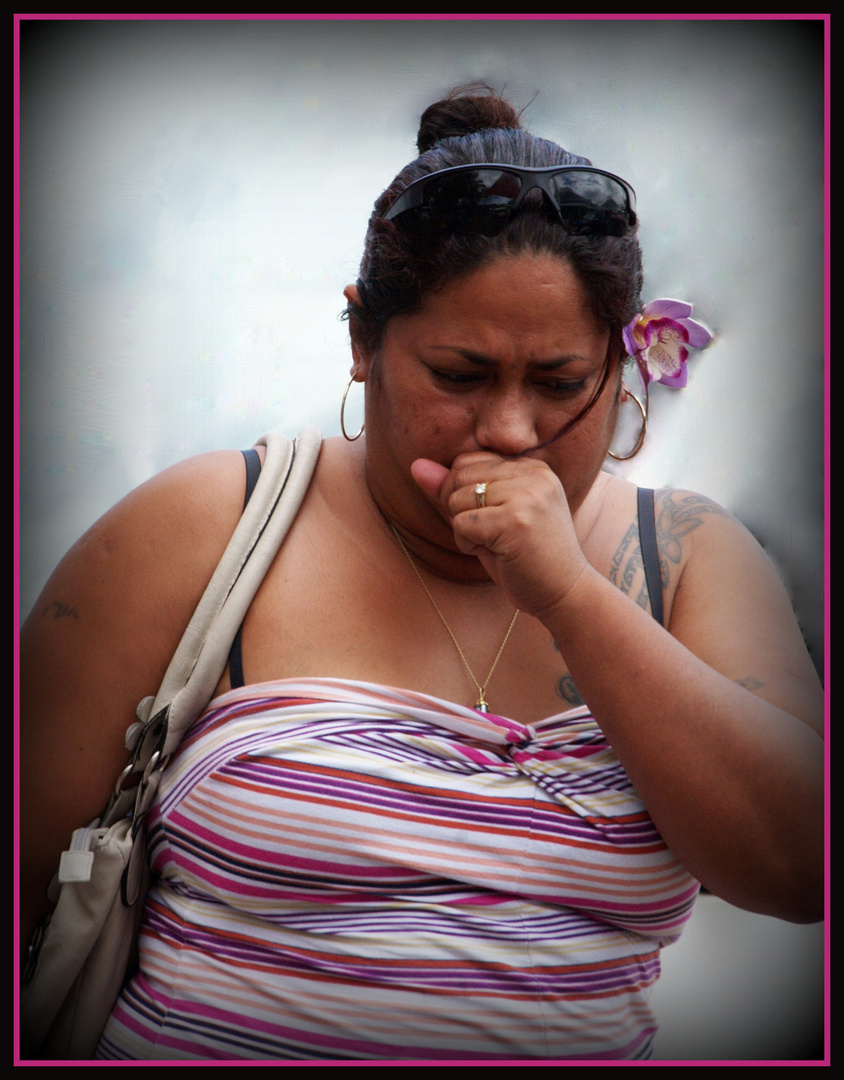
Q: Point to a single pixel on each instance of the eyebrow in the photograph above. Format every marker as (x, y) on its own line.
(484, 361)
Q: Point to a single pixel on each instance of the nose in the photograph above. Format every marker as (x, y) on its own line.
(506, 423)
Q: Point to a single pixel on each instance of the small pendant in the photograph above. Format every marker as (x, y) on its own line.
(481, 706)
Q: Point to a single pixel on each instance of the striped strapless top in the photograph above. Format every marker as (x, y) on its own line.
(350, 871)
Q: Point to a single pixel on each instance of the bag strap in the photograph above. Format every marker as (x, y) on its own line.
(650, 552)
(201, 655)
(235, 661)
(199, 661)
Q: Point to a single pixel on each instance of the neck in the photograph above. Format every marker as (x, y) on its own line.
(443, 562)
(427, 536)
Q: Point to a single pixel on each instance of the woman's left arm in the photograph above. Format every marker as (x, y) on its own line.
(717, 720)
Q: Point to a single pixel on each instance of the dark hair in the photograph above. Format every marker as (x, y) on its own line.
(399, 269)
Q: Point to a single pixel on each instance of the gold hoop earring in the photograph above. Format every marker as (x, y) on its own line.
(638, 445)
(349, 438)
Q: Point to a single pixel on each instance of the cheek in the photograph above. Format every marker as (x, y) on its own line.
(608, 407)
(583, 451)
(441, 429)
(613, 413)
(414, 419)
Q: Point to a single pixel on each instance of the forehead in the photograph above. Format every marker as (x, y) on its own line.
(526, 298)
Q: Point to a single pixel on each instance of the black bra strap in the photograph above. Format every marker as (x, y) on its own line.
(253, 471)
(650, 552)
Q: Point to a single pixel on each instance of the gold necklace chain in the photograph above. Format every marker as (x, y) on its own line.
(482, 705)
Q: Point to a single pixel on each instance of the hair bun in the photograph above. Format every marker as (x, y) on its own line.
(470, 108)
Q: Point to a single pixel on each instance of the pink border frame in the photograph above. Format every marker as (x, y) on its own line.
(18, 18)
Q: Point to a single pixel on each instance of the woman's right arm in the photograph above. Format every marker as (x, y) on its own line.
(99, 639)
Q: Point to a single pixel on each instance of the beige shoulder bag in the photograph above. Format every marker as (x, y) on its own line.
(78, 960)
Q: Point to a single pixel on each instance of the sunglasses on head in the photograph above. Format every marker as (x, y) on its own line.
(483, 198)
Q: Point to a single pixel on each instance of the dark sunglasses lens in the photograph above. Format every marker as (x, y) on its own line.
(481, 200)
(472, 200)
(592, 204)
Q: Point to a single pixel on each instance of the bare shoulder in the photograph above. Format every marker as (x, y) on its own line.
(678, 518)
(149, 554)
(684, 521)
(102, 633)
(698, 539)
(679, 513)
(729, 606)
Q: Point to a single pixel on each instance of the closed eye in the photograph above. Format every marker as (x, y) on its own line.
(555, 387)
(458, 378)
(562, 387)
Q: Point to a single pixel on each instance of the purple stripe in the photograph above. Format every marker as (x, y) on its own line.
(518, 813)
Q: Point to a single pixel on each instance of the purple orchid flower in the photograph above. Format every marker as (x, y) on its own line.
(657, 340)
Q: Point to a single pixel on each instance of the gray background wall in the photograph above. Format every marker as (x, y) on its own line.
(194, 198)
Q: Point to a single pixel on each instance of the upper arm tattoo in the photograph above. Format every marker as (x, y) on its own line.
(625, 566)
(677, 515)
(59, 610)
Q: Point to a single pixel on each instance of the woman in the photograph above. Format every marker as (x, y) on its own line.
(463, 867)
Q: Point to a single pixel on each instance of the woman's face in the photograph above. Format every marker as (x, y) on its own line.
(499, 361)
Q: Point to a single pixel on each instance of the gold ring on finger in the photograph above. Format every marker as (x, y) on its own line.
(480, 495)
